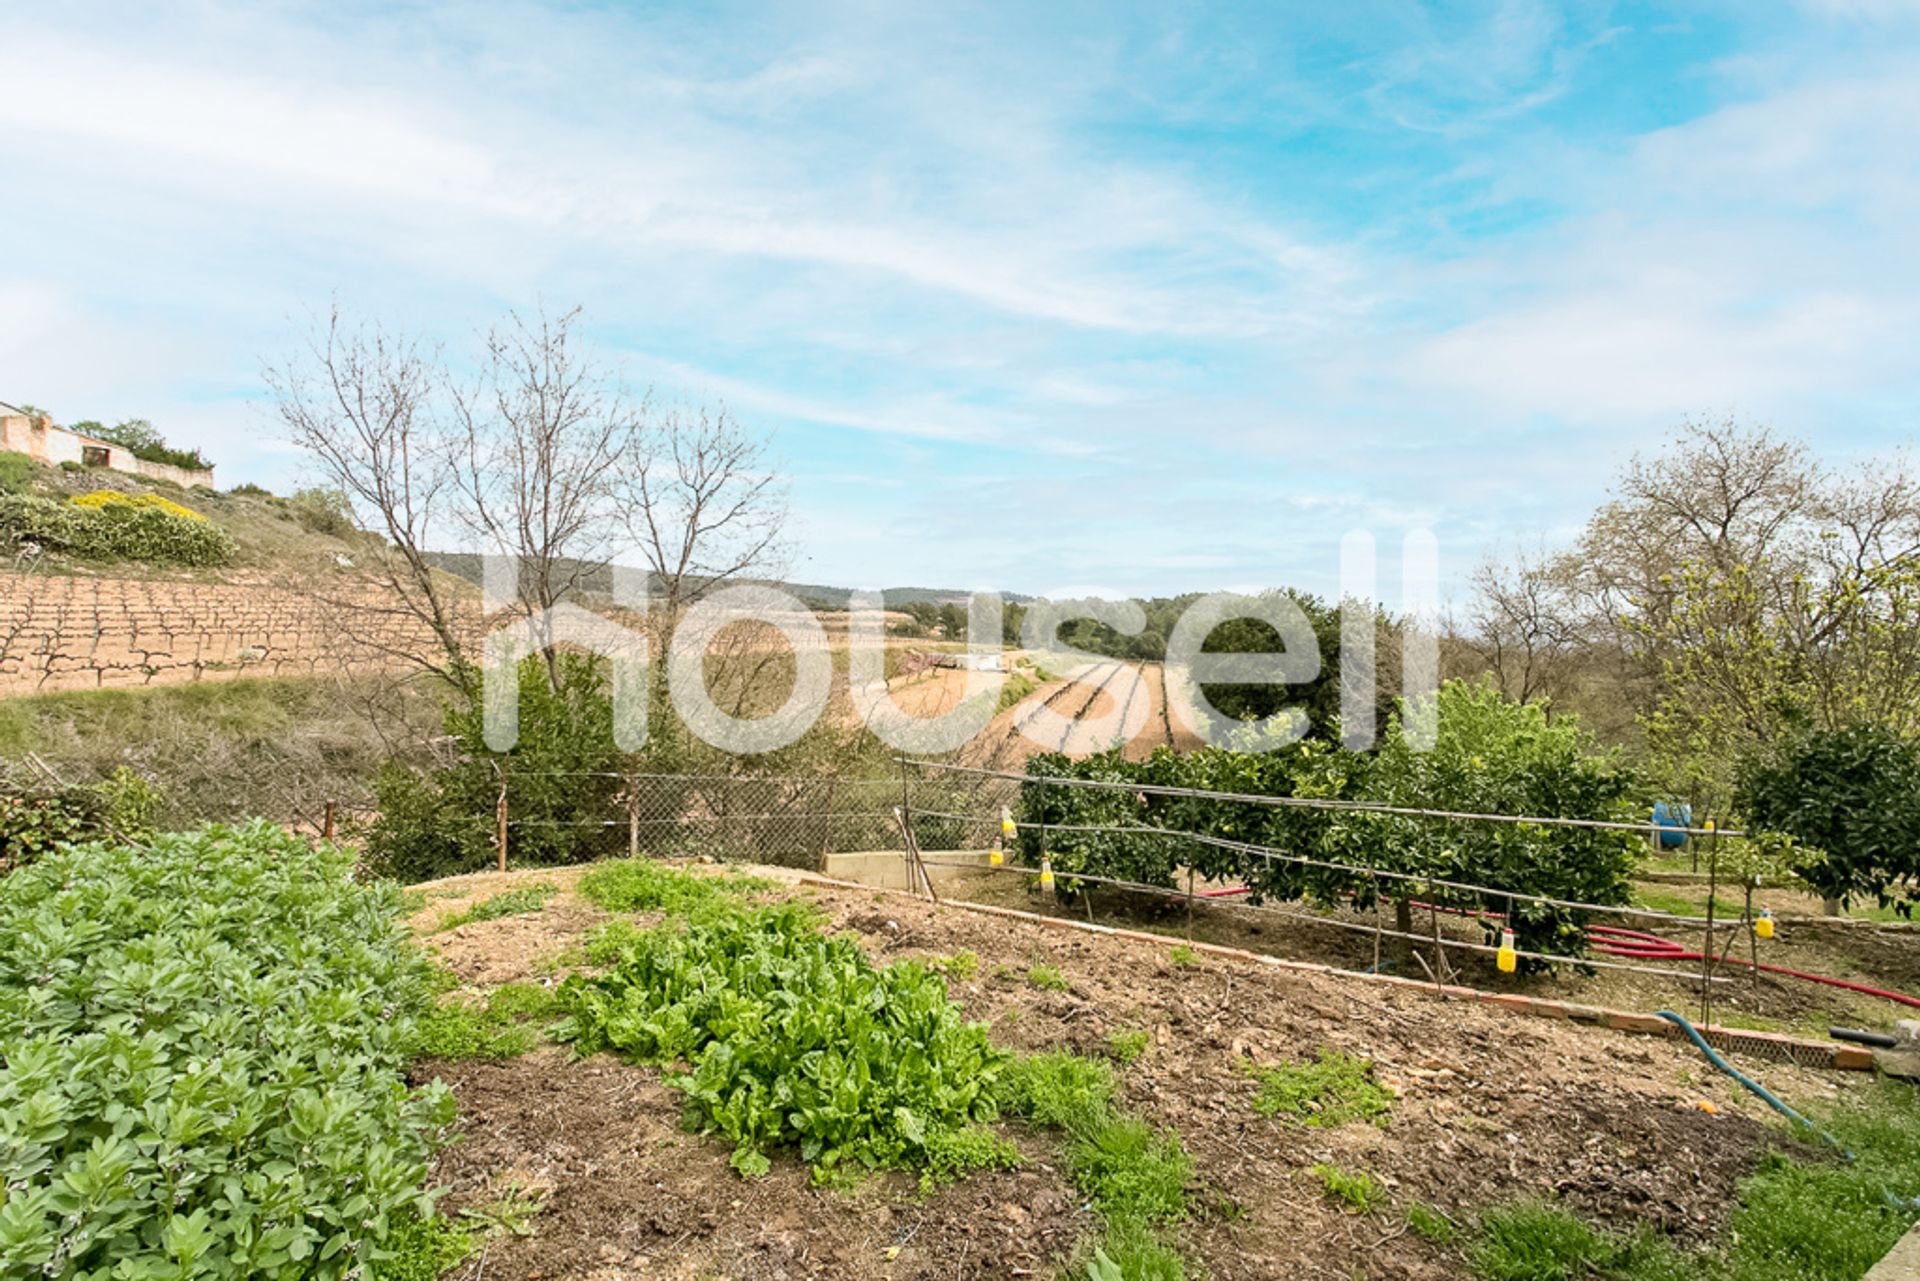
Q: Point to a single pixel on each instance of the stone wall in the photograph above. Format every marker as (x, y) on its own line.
(92, 633)
(41, 441)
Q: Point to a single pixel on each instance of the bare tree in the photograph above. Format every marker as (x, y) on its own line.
(548, 448)
(1527, 628)
(541, 456)
(362, 402)
(707, 511)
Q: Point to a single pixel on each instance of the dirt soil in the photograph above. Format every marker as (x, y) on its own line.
(1626, 1129)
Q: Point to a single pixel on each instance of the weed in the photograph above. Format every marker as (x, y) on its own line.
(516, 902)
(1535, 1241)
(1429, 1224)
(1332, 1091)
(1357, 1190)
(509, 1215)
(505, 1025)
(962, 965)
(1130, 1172)
(422, 1249)
(1132, 1175)
(1127, 1044)
(1047, 978)
(1183, 955)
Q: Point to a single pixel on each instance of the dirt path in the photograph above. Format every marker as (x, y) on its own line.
(1490, 1107)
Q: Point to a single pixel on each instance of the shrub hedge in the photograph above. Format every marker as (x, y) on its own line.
(121, 527)
(1491, 756)
(204, 1041)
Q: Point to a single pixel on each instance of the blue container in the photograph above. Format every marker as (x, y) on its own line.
(1675, 817)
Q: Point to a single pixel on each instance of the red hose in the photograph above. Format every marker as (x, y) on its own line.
(1638, 945)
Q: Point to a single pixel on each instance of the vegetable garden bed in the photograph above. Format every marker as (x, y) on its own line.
(1485, 1109)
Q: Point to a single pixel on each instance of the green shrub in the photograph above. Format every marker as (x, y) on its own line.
(115, 531)
(1491, 756)
(205, 1039)
(561, 778)
(323, 511)
(16, 473)
(1851, 799)
(35, 820)
(792, 1039)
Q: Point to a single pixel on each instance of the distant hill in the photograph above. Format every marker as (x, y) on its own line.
(599, 581)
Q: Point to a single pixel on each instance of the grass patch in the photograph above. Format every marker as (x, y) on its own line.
(515, 902)
(1333, 1090)
(1798, 1220)
(1661, 900)
(1430, 1225)
(1535, 1241)
(507, 1023)
(1359, 1191)
(639, 885)
(1133, 1176)
(1126, 1044)
(1046, 978)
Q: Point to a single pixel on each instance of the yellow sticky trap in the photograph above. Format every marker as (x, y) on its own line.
(1046, 874)
(995, 858)
(1506, 958)
(1763, 924)
(1006, 822)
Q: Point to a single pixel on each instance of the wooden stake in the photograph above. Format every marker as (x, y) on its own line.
(500, 818)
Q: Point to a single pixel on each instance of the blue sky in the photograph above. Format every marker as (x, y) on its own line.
(1036, 297)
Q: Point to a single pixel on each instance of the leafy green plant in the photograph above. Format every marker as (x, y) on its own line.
(205, 1039)
(514, 902)
(16, 473)
(791, 1038)
(1181, 954)
(1332, 1090)
(421, 1249)
(1355, 1189)
(640, 885)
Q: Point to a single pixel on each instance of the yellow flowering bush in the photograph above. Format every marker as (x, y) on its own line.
(101, 499)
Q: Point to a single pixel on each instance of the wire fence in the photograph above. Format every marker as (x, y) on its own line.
(990, 816)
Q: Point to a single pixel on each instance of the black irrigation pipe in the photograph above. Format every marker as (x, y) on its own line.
(1356, 926)
(1313, 802)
